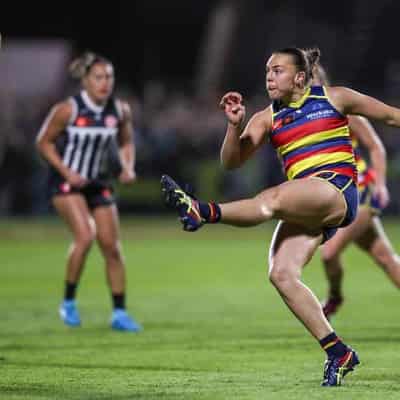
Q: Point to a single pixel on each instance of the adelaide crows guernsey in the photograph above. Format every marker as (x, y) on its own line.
(310, 135)
(88, 135)
(366, 174)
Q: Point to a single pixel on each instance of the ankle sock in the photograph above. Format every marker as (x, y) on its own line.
(70, 290)
(211, 212)
(118, 301)
(333, 345)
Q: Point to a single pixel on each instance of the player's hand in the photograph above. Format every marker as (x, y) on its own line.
(232, 104)
(76, 180)
(382, 194)
(127, 176)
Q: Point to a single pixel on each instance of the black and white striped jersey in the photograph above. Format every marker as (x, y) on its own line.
(89, 134)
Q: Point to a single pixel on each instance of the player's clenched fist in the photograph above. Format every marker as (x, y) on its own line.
(232, 104)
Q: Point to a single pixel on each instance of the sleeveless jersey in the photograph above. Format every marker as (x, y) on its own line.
(88, 135)
(310, 135)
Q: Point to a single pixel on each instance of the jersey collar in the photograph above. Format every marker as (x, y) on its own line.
(90, 103)
(300, 102)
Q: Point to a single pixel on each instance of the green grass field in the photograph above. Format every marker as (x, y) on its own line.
(214, 326)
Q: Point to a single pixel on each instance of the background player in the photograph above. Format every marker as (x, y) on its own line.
(75, 140)
(366, 230)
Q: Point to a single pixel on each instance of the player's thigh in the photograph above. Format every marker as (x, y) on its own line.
(107, 223)
(346, 235)
(75, 212)
(310, 202)
(292, 247)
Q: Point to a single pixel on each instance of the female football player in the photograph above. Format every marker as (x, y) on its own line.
(75, 139)
(309, 129)
(366, 230)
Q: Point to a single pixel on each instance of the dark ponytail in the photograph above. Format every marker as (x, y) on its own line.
(313, 55)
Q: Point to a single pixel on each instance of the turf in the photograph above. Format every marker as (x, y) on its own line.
(214, 326)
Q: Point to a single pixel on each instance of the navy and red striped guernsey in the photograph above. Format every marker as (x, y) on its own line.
(310, 136)
(366, 174)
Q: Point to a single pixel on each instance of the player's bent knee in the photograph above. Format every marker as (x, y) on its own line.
(84, 240)
(281, 277)
(269, 202)
(328, 255)
(112, 251)
(386, 259)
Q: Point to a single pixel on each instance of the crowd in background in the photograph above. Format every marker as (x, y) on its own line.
(175, 133)
(180, 131)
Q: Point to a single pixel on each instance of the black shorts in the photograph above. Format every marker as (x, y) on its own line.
(96, 193)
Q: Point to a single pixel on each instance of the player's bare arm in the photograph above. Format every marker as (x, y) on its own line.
(239, 144)
(368, 137)
(127, 149)
(53, 126)
(349, 101)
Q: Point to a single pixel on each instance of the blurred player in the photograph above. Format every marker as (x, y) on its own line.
(308, 127)
(366, 230)
(74, 139)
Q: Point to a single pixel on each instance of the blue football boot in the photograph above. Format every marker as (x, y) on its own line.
(121, 321)
(187, 206)
(336, 368)
(69, 313)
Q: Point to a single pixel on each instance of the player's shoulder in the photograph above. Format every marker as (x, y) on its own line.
(123, 108)
(262, 118)
(340, 96)
(63, 110)
(264, 114)
(330, 90)
(122, 103)
(339, 92)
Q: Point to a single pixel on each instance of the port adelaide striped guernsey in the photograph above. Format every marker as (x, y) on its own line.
(89, 134)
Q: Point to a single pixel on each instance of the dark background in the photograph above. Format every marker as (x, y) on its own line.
(173, 60)
(145, 39)
(157, 39)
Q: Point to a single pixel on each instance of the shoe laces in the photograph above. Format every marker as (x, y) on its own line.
(186, 200)
(183, 198)
(330, 368)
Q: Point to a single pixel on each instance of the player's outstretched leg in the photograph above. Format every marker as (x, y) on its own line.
(193, 213)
